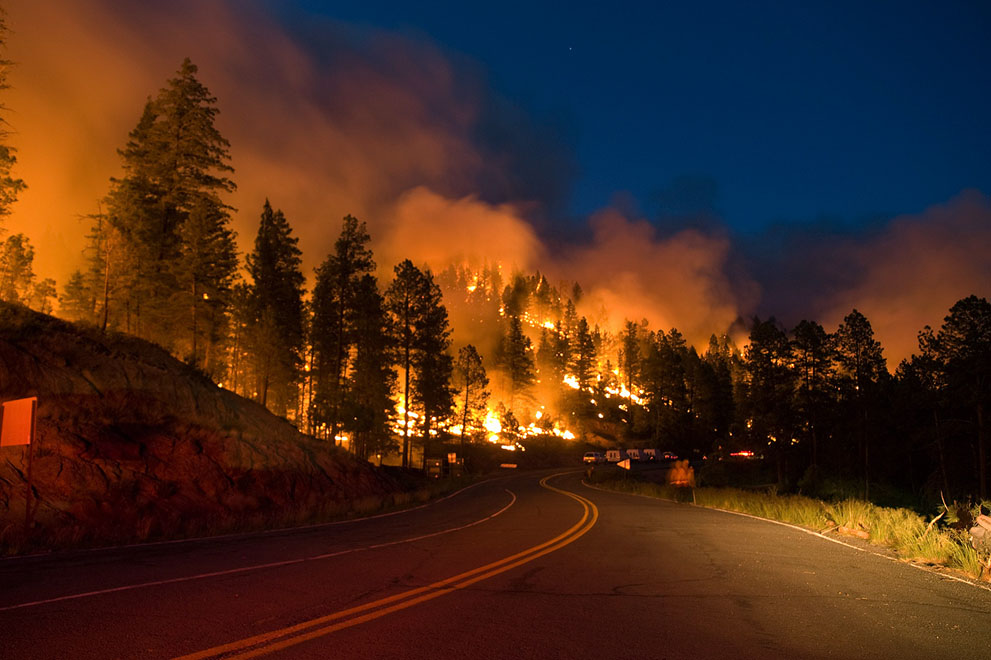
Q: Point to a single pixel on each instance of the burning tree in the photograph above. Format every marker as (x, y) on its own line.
(368, 400)
(334, 331)
(515, 357)
(470, 383)
(422, 336)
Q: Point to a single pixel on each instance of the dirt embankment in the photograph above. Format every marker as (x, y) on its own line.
(132, 444)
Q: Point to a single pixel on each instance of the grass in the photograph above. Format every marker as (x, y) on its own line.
(903, 531)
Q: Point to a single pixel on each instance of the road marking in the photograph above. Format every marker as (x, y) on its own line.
(255, 567)
(265, 643)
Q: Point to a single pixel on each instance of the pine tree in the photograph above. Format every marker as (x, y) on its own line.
(401, 302)
(240, 348)
(964, 348)
(471, 381)
(583, 355)
(111, 271)
(204, 272)
(276, 309)
(433, 365)
(76, 303)
(770, 387)
(546, 362)
(175, 161)
(812, 348)
(861, 368)
(10, 187)
(42, 295)
(369, 393)
(630, 363)
(333, 333)
(516, 358)
(422, 337)
(16, 269)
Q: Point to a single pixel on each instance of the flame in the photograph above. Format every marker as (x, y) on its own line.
(492, 423)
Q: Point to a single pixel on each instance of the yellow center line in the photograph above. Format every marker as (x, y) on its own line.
(289, 636)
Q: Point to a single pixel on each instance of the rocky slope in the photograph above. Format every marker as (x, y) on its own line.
(132, 444)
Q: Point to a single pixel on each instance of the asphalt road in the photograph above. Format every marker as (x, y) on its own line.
(511, 568)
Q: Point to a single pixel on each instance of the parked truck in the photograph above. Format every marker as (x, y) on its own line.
(615, 455)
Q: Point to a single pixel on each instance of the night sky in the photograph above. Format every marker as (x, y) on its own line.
(760, 112)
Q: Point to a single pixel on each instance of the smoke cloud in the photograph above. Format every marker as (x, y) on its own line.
(631, 272)
(902, 273)
(439, 232)
(337, 121)
(912, 273)
(331, 119)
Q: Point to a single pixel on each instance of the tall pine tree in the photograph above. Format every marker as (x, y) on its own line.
(10, 186)
(471, 381)
(334, 333)
(175, 161)
(204, 274)
(275, 301)
(422, 337)
(368, 401)
(861, 369)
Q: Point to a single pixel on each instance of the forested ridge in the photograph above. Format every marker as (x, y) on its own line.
(377, 365)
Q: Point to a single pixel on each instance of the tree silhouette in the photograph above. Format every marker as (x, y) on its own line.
(471, 381)
(333, 332)
(175, 161)
(861, 367)
(813, 354)
(422, 336)
(964, 347)
(10, 186)
(276, 308)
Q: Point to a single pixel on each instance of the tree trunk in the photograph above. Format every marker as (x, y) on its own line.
(407, 349)
(106, 295)
(942, 454)
(194, 322)
(406, 409)
(982, 487)
(464, 420)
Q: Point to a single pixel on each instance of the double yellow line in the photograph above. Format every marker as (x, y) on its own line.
(251, 647)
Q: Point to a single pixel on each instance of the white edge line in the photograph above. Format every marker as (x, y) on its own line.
(897, 560)
(256, 567)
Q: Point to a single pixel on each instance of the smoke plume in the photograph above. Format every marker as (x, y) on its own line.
(327, 118)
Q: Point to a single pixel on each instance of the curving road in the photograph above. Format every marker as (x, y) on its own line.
(524, 566)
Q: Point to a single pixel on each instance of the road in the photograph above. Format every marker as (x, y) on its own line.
(524, 566)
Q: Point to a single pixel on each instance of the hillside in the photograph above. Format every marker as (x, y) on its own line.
(132, 444)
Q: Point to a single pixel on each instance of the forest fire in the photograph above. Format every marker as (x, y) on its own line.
(635, 332)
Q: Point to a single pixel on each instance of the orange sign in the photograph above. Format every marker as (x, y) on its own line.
(18, 422)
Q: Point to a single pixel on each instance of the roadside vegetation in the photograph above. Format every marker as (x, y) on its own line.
(941, 540)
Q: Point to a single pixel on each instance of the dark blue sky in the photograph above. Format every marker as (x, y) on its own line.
(765, 111)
